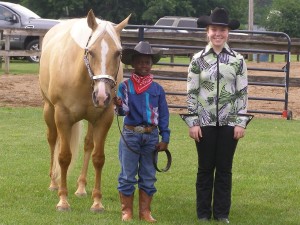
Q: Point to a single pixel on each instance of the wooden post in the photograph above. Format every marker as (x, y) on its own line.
(6, 57)
(1, 44)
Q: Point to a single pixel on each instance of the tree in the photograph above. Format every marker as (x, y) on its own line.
(54, 8)
(261, 9)
(284, 17)
(237, 9)
(143, 11)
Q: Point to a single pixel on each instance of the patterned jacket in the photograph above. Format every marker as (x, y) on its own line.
(217, 88)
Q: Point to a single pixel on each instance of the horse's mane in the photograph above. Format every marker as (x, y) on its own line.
(80, 32)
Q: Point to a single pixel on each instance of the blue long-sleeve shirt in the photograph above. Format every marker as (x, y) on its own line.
(147, 108)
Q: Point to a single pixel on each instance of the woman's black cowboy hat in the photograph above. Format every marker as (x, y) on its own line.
(219, 16)
(142, 48)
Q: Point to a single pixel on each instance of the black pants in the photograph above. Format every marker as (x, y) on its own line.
(214, 178)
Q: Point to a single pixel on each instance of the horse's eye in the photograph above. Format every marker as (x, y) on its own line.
(118, 53)
(92, 54)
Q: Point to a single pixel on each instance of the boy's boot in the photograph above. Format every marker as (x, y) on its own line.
(144, 207)
(126, 206)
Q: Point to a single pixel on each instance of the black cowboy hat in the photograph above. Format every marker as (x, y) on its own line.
(219, 16)
(142, 48)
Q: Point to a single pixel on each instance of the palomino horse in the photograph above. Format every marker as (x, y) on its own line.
(79, 68)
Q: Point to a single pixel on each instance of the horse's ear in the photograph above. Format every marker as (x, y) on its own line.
(123, 24)
(91, 20)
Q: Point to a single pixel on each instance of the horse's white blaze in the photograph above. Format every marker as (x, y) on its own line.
(104, 51)
(101, 94)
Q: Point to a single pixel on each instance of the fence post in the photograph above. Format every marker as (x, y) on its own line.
(6, 57)
(1, 44)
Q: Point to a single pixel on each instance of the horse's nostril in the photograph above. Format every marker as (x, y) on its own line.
(107, 100)
(95, 100)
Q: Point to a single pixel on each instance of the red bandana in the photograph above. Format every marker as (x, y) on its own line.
(140, 83)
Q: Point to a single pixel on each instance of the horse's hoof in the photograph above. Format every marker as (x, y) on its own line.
(53, 188)
(97, 208)
(80, 195)
(63, 209)
(63, 206)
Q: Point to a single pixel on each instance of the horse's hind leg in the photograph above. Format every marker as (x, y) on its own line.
(88, 148)
(51, 137)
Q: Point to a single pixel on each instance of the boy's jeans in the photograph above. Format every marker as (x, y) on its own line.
(140, 163)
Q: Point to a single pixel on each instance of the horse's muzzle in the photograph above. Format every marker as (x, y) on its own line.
(102, 100)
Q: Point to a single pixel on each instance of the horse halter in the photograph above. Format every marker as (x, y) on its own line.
(104, 77)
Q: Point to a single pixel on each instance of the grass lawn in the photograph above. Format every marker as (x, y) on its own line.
(21, 67)
(265, 176)
(24, 67)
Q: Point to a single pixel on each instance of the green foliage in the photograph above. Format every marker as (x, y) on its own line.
(284, 17)
(57, 9)
(261, 10)
(265, 184)
(149, 11)
(237, 9)
(143, 11)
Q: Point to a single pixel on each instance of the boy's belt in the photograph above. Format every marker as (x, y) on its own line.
(141, 129)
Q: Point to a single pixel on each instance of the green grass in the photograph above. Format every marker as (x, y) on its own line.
(24, 67)
(21, 67)
(265, 176)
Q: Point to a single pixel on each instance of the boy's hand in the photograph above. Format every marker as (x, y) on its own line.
(162, 146)
(117, 101)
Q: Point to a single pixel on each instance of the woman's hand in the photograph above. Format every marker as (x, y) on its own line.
(239, 132)
(195, 133)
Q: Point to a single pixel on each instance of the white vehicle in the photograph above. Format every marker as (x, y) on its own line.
(175, 21)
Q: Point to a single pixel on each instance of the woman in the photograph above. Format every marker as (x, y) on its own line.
(217, 96)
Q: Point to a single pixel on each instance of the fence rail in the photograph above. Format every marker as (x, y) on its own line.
(7, 34)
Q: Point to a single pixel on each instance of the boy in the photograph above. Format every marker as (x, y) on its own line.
(143, 103)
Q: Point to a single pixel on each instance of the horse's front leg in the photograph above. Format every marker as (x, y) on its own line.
(98, 157)
(88, 148)
(64, 158)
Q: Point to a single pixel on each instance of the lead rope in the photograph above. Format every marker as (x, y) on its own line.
(155, 153)
(134, 151)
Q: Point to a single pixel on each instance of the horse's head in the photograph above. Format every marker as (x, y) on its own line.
(103, 58)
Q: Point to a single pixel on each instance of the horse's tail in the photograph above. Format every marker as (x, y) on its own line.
(74, 145)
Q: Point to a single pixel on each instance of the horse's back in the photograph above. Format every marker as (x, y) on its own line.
(56, 40)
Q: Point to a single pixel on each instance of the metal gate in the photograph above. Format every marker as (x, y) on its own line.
(249, 43)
